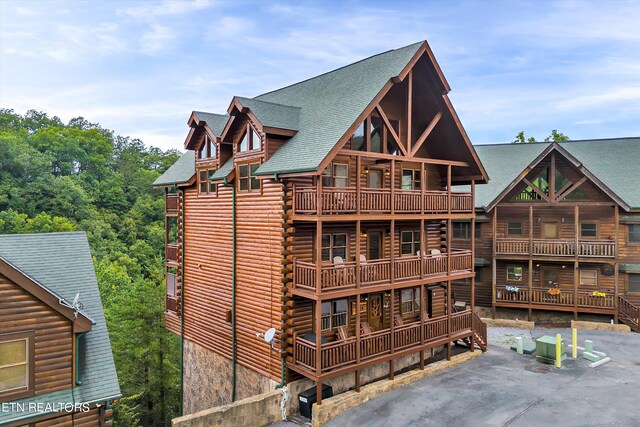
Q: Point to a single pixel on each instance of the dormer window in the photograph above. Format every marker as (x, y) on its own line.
(250, 141)
(207, 149)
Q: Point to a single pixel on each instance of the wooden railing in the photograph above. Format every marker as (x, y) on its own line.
(480, 330)
(342, 353)
(629, 312)
(172, 202)
(343, 276)
(171, 252)
(374, 200)
(566, 298)
(555, 247)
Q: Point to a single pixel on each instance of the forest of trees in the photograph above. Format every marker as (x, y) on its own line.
(79, 176)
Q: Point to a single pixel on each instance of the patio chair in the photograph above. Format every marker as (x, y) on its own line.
(364, 271)
(365, 329)
(397, 320)
(341, 333)
(339, 262)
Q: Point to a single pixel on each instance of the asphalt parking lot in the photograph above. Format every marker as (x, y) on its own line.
(502, 388)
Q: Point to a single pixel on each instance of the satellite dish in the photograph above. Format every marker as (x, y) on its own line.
(269, 335)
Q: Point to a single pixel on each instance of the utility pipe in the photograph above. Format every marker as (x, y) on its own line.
(234, 354)
(284, 293)
(182, 309)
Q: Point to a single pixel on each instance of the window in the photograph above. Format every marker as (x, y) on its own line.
(208, 149)
(634, 233)
(374, 179)
(205, 181)
(514, 229)
(392, 147)
(550, 230)
(410, 300)
(410, 179)
(334, 245)
(357, 140)
(376, 127)
(588, 229)
(409, 242)
(336, 175)
(334, 314)
(589, 277)
(462, 230)
(14, 365)
(634, 283)
(247, 180)
(478, 233)
(514, 274)
(202, 154)
(250, 141)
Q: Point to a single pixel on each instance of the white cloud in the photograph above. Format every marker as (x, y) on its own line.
(156, 40)
(165, 8)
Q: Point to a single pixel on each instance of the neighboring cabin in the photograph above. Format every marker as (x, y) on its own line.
(51, 352)
(558, 215)
(323, 210)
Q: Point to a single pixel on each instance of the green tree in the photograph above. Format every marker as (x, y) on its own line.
(553, 136)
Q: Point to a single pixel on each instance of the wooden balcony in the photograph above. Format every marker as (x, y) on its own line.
(377, 346)
(172, 203)
(567, 300)
(171, 253)
(556, 248)
(372, 200)
(629, 313)
(376, 272)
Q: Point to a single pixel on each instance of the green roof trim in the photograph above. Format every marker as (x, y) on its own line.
(180, 172)
(481, 262)
(224, 171)
(273, 115)
(629, 218)
(62, 264)
(329, 104)
(630, 267)
(215, 122)
(612, 161)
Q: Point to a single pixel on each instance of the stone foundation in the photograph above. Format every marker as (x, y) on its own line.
(207, 380)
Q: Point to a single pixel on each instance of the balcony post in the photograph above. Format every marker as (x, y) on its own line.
(449, 191)
(473, 263)
(423, 184)
(576, 275)
(494, 226)
(422, 315)
(318, 328)
(393, 188)
(616, 217)
(392, 297)
(449, 225)
(530, 292)
(359, 184)
(318, 235)
(423, 248)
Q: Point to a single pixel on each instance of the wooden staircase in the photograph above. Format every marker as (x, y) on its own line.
(479, 332)
(629, 311)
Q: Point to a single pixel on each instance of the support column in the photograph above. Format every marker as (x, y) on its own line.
(318, 303)
(530, 275)
(422, 319)
(616, 264)
(494, 225)
(576, 275)
(358, 280)
(392, 307)
(473, 260)
(449, 225)
(318, 328)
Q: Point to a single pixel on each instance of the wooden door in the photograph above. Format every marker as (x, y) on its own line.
(374, 245)
(550, 230)
(375, 179)
(375, 311)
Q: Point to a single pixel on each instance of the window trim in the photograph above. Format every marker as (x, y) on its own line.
(329, 173)
(415, 301)
(208, 173)
(413, 180)
(629, 241)
(249, 132)
(413, 242)
(634, 274)
(332, 246)
(19, 393)
(332, 314)
(509, 234)
(589, 223)
(250, 178)
(521, 273)
(590, 270)
(466, 229)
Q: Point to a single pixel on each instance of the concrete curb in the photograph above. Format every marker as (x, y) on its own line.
(599, 326)
(334, 406)
(508, 323)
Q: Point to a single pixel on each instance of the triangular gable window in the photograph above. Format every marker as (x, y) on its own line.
(374, 136)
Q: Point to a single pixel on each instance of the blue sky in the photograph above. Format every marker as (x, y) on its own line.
(141, 67)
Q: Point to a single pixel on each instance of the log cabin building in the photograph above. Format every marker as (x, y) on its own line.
(558, 228)
(56, 365)
(324, 210)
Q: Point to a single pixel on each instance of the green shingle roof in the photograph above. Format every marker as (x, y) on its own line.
(62, 263)
(180, 172)
(329, 105)
(273, 115)
(615, 162)
(216, 122)
(224, 171)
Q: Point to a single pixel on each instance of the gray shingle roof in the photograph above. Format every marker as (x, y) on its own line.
(179, 172)
(615, 162)
(216, 122)
(224, 171)
(273, 115)
(62, 263)
(330, 104)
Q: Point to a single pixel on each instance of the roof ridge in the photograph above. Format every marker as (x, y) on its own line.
(493, 144)
(44, 233)
(213, 114)
(339, 68)
(267, 102)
